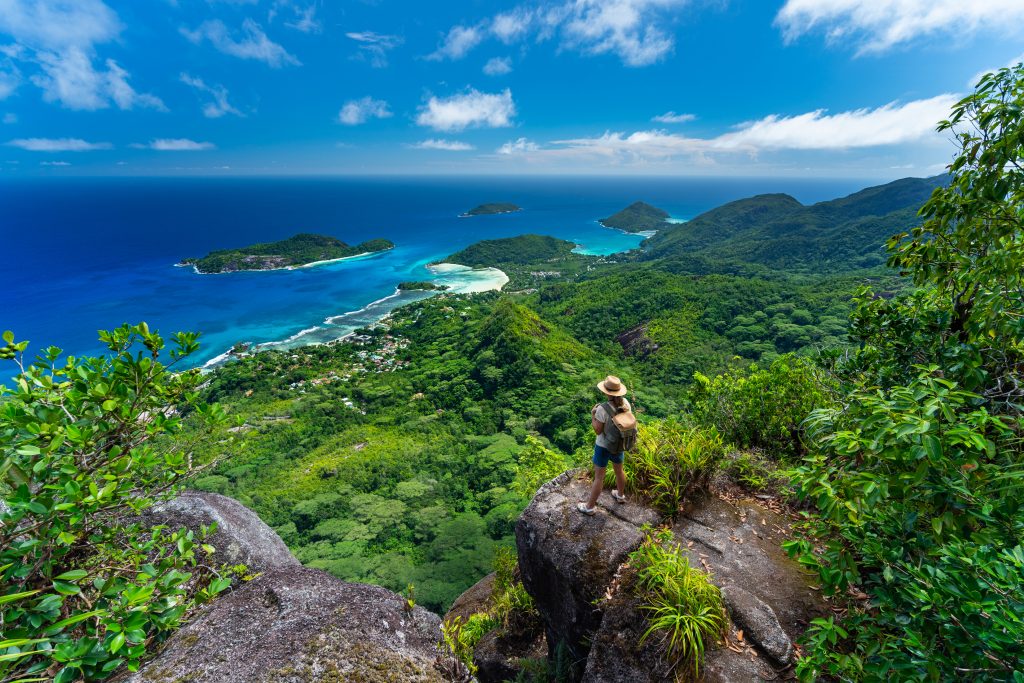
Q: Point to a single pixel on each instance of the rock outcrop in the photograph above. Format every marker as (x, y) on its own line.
(241, 536)
(568, 560)
(571, 565)
(291, 624)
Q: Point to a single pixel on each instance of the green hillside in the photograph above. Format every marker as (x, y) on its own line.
(778, 232)
(637, 217)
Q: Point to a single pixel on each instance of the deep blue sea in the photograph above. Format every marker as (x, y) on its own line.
(81, 255)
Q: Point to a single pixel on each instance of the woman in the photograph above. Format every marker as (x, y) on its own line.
(604, 448)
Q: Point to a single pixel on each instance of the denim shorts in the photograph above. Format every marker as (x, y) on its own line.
(602, 455)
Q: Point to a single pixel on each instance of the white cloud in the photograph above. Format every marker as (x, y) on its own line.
(254, 43)
(177, 145)
(123, 94)
(518, 146)
(220, 105)
(10, 118)
(498, 66)
(890, 124)
(54, 163)
(470, 109)
(630, 29)
(511, 26)
(878, 25)
(60, 38)
(374, 47)
(58, 145)
(672, 117)
(359, 111)
(447, 145)
(459, 41)
(633, 30)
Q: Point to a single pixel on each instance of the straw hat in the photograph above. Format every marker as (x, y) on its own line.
(612, 386)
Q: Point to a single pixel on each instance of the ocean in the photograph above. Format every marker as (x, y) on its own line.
(80, 255)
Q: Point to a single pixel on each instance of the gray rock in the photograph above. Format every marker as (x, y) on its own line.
(758, 622)
(567, 559)
(295, 625)
(477, 598)
(738, 543)
(241, 536)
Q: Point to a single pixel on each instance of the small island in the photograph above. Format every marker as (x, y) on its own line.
(491, 209)
(304, 249)
(637, 217)
(519, 250)
(421, 285)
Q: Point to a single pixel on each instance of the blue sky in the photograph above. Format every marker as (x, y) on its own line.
(839, 88)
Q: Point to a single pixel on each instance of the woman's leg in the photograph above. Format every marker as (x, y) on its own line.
(595, 490)
(620, 478)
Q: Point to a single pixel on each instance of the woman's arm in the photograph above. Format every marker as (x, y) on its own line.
(594, 422)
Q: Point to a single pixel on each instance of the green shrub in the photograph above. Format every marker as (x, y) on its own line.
(684, 609)
(761, 408)
(919, 481)
(671, 463)
(84, 586)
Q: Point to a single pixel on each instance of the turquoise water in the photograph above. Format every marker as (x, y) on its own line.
(89, 254)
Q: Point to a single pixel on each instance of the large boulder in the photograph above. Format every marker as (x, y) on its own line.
(241, 536)
(296, 625)
(572, 566)
(568, 559)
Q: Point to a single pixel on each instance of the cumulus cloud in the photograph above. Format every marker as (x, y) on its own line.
(446, 145)
(498, 66)
(511, 26)
(219, 106)
(517, 146)
(672, 117)
(470, 109)
(878, 25)
(459, 41)
(633, 30)
(374, 47)
(58, 145)
(355, 112)
(253, 43)
(176, 145)
(59, 40)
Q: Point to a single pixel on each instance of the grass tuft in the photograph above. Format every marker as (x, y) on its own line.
(671, 463)
(684, 609)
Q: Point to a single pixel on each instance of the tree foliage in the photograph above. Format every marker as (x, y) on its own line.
(85, 586)
(919, 476)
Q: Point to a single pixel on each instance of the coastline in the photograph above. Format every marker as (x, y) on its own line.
(642, 233)
(335, 328)
(311, 264)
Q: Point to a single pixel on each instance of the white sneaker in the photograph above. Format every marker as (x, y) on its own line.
(619, 498)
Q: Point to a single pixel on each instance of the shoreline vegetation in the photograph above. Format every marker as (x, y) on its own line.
(421, 285)
(638, 218)
(491, 209)
(304, 250)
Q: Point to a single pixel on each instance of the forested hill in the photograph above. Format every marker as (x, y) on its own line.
(778, 232)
